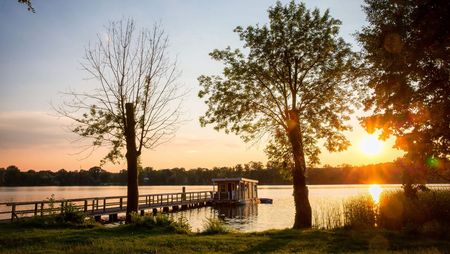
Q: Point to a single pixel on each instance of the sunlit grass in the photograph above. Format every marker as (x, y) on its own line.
(131, 239)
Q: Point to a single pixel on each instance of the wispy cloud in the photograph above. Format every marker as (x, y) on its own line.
(20, 129)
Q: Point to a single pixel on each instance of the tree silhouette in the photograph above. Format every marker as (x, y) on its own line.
(292, 81)
(407, 47)
(137, 103)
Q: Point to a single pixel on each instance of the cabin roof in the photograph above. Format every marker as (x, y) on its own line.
(236, 179)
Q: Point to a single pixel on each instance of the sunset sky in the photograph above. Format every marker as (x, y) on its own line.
(40, 56)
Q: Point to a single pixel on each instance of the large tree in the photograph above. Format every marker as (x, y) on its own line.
(137, 102)
(289, 84)
(407, 48)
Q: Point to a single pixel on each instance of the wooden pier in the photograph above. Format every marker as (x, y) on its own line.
(112, 206)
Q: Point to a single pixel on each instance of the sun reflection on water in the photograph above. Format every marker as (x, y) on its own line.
(375, 191)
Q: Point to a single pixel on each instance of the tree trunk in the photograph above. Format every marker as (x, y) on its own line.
(303, 217)
(132, 156)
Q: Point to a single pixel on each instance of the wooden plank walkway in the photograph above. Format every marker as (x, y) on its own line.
(98, 206)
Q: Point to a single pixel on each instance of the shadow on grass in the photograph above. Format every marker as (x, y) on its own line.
(287, 240)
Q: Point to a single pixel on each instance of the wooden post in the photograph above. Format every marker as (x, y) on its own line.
(121, 203)
(104, 204)
(42, 209)
(35, 209)
(62, 207)
(13, 212)
(85, 205)
(93, 205)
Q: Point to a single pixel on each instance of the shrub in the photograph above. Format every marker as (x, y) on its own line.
(429, 213)
(71, 214)
(161, 221)
(360, 213)
(182, 226)
(215, 226)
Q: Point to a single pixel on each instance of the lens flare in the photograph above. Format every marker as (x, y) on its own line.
(370, 145)
(375, 191)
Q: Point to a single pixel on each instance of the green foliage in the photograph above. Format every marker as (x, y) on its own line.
(428, 214)
(161, 222)
(215, 226)
(71, 214)
(272, 173)
(406, 48)
(296, 63)
(125, 239)
(360, 213)
(68, 215)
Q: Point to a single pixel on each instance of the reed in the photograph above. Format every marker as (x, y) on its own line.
(215, 226)
(161, 222)
(429, 213)
(328, 215)
(360, 212)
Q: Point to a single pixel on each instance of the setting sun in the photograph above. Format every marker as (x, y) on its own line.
(370, 145)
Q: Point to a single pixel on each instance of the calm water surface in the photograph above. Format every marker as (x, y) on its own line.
(279, 215)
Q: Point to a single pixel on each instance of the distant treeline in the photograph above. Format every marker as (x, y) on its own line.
(345, 174)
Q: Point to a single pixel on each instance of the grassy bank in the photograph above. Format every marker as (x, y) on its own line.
(132, 239)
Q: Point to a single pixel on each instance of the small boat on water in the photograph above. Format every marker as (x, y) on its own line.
(266, 200)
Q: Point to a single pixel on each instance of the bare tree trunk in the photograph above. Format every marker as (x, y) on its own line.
(302, 207)
(132, 155)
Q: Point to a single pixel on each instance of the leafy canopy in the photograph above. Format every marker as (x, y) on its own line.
(298, 63)
(407, 46)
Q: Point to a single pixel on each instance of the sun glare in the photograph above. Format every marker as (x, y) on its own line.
(375, 191)
(370, 145)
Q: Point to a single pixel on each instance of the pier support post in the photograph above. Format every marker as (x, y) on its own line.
(165, 209)
(98, 218)
(142, 212)
(113, 217)
(155, 211)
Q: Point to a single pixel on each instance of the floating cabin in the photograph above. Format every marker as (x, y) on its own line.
(235, 191)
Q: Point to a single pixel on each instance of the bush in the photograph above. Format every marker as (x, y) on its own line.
(161, 221)
(71, 214)
(360, 213)
(215, 226)
(429, 213)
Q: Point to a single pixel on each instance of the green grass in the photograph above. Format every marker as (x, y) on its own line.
(132, 239)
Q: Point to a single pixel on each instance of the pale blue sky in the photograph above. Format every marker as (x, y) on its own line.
(40, 55)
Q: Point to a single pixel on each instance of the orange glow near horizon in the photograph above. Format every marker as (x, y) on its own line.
(370, 145)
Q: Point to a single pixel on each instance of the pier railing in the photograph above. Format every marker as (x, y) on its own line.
(101, 205)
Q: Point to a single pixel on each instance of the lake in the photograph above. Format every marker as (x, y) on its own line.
(279, 215)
